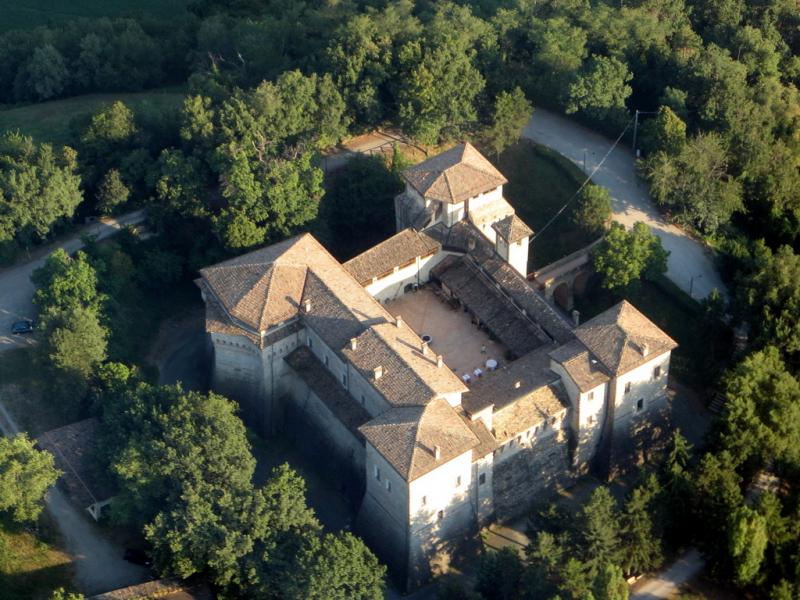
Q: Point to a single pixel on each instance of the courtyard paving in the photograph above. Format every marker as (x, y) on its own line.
(463, 346)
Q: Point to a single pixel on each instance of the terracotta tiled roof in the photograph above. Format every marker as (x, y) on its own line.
(487, 443)
(75, 450)
(399, 250)
(585, 370)
(455, 175)
(408, 436)
(622, 338)
(327, 388)
(512, 229)
(541, 404)
(511, 382)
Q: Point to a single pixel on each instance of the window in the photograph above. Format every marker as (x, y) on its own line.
(482, 479)
(326, 360)
(657, 372)
(424, 500)
(377, 473)
(440, 515)
(344, 379)
(628, 387)
(590, 420)
(458, 481)
(363, 400)
(519, 439)
(640, 404)
(591, 395)
(388, 486)
(310, 342)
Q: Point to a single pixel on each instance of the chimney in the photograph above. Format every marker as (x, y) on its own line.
(576, 317)
(353, 343)
(307, 305)
(377, 372)
(645, 349)
(424, 348)
(437, 452)
(399, 320)
(439, 361)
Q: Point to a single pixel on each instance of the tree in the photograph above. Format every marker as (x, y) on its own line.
(594, 209)
(624, 256)
(338, 566)
(601, 88)
(512, 111)
(25, 476)
(500, 574)
(640, 543)
(62, 594)
(64, 282)
(38, 187)
(111, 193)
(666, 132)
(610, 584)
(44, 76)
(599, 529)
(747, 542)
(695, 182)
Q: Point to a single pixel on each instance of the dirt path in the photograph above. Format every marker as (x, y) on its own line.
(98, 562)
(668, 582)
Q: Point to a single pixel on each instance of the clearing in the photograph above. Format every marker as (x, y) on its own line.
(540, 181)
(51, 121)
(25, 14)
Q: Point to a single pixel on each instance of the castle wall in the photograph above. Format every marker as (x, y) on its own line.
(640, 384)
(532, 437)
(482, 482)
(393, 285)
(529, 472)
(486, 198)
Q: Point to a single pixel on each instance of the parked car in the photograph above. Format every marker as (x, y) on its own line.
(137, 557)
(22, 327)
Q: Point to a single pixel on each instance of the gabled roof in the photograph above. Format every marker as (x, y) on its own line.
(399, 250)
(622, 338)
(512, 229)
(455, 175)
(407, 437)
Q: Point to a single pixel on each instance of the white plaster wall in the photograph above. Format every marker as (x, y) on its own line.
(486, 198)
(361, 390)
(643, 385)
(453, 213)
(237, 365)
(393, 285)
(275, 371)
(321, 350)
(441, 493)
(393, 501)
(482, 492)
(518, 256)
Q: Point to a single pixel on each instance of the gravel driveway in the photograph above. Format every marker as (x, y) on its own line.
(691, 264)
(16, 288)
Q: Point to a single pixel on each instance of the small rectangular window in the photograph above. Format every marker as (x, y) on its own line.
(363, 400)
(657, 372)
(377, 473)
(344, 379)
(458, 481)
(388, 486)
(482, 479)
(590, 420)
(326, 360)
(310, 343)
(640, 404)
(424, 500)
(628, 387)
(591, 395)
(440, 515)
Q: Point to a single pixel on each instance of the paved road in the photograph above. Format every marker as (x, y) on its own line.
(98, 563)
(16, 288)
(690, 263)
(667, 583)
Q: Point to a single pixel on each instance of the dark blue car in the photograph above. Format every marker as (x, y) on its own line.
(22, 327)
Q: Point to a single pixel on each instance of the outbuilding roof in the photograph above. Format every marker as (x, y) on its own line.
(622, 338)
(585, 370)
(455, 175)
(512, 229)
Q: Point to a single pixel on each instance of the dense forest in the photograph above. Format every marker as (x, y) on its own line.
(272, 83)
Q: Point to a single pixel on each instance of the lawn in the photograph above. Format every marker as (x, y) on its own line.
(50, 121)
(25, 14)
(540, 182)
(30, 566)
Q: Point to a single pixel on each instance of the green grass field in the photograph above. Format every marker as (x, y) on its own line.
(50, 121)
(540, 181)
(25, 14)
(30, 566)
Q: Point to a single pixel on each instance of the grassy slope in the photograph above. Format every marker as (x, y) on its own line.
(24, 14)
(539, 183)
(50, 121)
(30, 566)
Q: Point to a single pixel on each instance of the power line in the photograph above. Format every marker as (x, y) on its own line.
(586, 181)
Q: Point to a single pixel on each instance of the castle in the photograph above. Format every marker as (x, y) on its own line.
(431, 365)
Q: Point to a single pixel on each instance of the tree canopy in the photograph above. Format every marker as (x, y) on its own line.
(26, 474)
